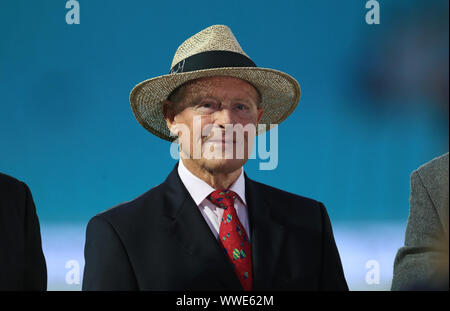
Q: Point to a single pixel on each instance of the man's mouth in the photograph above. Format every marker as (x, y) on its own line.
(212, 138)
(220, 141)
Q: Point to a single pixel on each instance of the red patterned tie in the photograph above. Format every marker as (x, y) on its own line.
(233, 237)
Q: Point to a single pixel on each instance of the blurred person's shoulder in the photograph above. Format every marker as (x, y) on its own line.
(13, 195)
(9, 182)
(11, 187)
(434, 174)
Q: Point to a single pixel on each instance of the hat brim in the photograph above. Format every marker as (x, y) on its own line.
(280, 94)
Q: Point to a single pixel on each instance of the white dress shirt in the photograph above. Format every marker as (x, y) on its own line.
(200, 190)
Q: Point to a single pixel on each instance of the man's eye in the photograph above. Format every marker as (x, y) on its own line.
(241, 107)
(206, 104)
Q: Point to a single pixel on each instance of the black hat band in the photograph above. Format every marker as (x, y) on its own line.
(212, 59)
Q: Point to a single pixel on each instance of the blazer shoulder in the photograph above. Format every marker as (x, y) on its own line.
(8, 183)
(279, 194)
(289, 208)
(135, 207)
(430, 183)
(13, 193)
(147, 210)
(434, 176)
(434, 171)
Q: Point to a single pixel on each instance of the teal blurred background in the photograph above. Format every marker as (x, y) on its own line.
(374, 107)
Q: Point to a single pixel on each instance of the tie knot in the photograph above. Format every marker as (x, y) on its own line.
(223, 198)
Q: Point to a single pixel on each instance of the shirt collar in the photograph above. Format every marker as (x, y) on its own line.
(199, 190)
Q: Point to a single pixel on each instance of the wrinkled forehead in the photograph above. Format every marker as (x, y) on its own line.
(220, 87)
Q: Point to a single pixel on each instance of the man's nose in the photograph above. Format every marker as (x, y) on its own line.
(224, 116)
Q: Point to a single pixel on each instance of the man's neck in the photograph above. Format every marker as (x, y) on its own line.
(216, 180)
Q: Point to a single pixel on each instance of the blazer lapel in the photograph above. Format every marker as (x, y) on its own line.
(266, 236)
(195, 236)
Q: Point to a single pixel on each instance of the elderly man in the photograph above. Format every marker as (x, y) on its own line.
(208, 226)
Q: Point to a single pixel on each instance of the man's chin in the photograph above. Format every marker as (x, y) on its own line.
(223, 166)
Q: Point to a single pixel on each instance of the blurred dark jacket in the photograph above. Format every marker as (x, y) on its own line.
(422, 263)
(22, 263)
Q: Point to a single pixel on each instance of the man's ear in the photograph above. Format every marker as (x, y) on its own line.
(168, 111)
(260, 114)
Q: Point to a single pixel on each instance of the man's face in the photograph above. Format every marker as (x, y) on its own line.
(208, 108)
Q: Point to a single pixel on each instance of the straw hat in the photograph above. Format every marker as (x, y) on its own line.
(213, 51)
